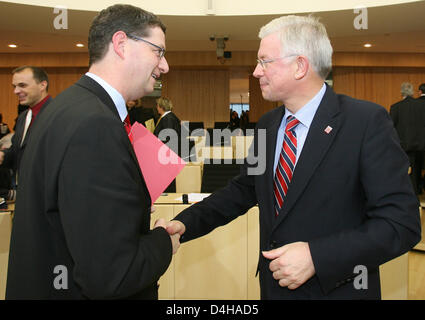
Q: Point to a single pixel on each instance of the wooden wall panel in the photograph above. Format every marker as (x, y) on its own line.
(379, 85)
(47, 59)
(198, 95)
(257, 105)
(199, 85)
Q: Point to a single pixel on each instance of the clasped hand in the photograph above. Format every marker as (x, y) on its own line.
(174, 228)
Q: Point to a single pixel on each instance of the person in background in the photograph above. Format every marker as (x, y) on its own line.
(82, 224)
(168, 121)
(335, 193)
(421, 90)
(421, 99)
(408, 116)
(139, 113)
(31, 85)
(4, 128)
(6, 187)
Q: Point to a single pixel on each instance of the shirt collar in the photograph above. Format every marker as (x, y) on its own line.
(306, 114)
(116, 97)
(165, 113)
(36, 109)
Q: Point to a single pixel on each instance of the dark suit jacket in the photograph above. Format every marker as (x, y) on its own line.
(82, 203)
(350, 198)
(13, 155)
(169, 121)
(408, 116)
(140, 114)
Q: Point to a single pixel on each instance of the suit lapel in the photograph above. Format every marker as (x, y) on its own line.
(316, 145)
(91, 85)
(23, 144)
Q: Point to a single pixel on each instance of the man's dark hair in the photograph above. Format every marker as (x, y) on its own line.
(39, 74)
(422, 88)
(119, 17)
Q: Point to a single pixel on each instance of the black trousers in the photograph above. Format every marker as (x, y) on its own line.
(416, 159)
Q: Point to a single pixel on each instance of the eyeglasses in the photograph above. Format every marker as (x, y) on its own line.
(263, 63)
(161, 51)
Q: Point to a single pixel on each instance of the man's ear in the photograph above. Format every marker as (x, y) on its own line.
(119, 40)
(303, 66)
(43, 84)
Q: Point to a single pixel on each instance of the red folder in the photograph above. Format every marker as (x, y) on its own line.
(159, 164)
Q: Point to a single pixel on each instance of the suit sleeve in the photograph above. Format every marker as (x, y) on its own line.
(394, 115)
(104, 216)
(221, 207)
(11, 154)
(391, 226)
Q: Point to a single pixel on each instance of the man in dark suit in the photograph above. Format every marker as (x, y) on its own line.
(421, 99)
(31, 85)
(168, 130)
(139, 113)
(349, 204)
(408, 116)
(167, 119)
(82, 222)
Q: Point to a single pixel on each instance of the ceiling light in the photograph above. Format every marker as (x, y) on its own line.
(12, 45)
(80, 45)
(367, 45)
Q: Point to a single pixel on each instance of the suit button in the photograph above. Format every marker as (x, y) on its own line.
(273, 245)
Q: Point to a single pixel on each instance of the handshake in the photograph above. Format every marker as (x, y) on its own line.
(174, 228)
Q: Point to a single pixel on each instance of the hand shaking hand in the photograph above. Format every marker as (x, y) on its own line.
(175, 237)
(175, 226)
(291, 264)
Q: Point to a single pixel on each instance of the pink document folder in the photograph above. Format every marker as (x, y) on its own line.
(159, 164)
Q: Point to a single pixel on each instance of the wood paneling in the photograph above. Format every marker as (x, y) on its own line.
(209, 58)
(376, 84)
(382, 59)
(257, 105)
(198, 95)
(48, 59)
(198, 84)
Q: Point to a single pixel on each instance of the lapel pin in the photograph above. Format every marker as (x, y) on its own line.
(328, 129)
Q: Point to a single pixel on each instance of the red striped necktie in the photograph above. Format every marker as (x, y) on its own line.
(286, 164)
(127, 126)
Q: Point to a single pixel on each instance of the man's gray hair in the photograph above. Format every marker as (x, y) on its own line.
(406, 89)
(301, 35)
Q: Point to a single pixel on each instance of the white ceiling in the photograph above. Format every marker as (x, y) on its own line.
(395, 28)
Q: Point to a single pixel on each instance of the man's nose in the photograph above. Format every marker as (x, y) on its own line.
(163, 65)
(258, 71)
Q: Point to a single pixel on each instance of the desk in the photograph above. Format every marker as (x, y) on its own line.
(216, 266)
(222, 264)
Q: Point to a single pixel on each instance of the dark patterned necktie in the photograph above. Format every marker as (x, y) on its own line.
(286, 164)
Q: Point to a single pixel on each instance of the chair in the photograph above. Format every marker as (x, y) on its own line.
(221, 125)
(216, 152)
(241, 146)
(194, 126)
(216, 176)
(189, 179)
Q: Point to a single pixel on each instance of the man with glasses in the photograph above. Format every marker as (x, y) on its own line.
(335, 195)
(82, 223)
